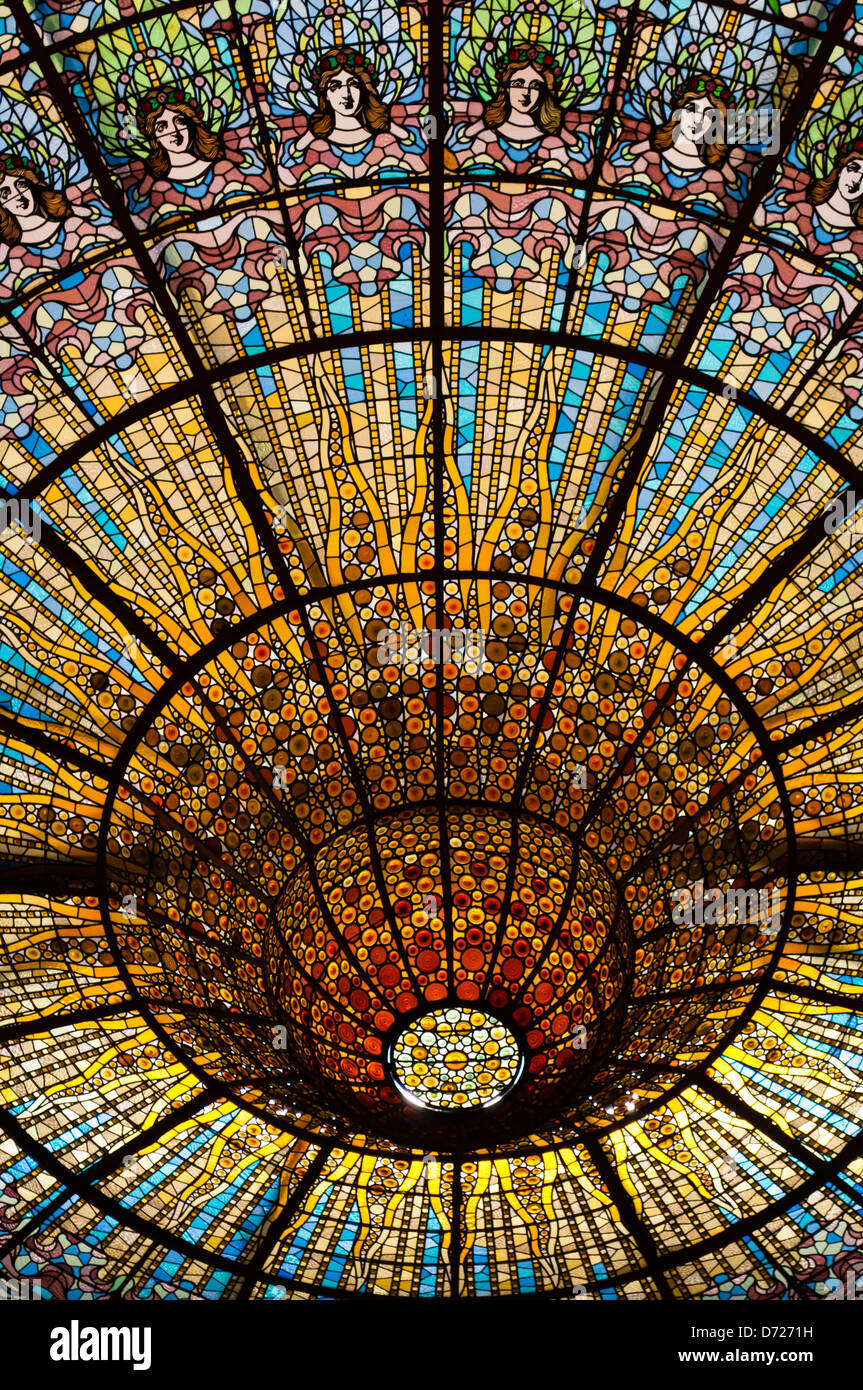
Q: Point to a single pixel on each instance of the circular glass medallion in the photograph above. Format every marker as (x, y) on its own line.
(454, 1058)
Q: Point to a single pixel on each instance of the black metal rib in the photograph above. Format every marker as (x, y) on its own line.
(180, 392)
(456, 1238)
(437, 32)
(602, 145)
(820, 728)
(267, 149)
(106, 1165)
(629, 1216)
(48, 1023)
(280, 1221)
(760, 186)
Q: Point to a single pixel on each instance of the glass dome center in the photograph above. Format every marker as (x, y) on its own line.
(454, 1058)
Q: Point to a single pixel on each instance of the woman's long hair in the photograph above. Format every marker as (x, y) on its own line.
(371, 111)
(48, 202)
(712, 154)
(822, 189)
(205, 144)
(548, 115)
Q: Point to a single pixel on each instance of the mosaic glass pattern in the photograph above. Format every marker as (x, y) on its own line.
(431, 456)
(455, 1058)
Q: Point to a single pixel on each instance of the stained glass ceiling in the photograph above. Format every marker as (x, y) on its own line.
(432, 700)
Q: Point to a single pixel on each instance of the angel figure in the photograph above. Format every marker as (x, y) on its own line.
(838, 196)
(187, 161)
(170, 114)
(47, 225)
(351, 128)
(690, 121)
(782, 301)
(529, 65)
(31, 213)
(49, 213)
(817, 205)
(339, 74)
(181, 148)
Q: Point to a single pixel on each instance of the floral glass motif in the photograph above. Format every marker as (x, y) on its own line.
(454, 1058)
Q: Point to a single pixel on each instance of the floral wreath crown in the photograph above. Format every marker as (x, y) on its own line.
(852, 146)
(528, 54)
(11, 161)
(706, 87)
(164, 96)
(339, 60)
(834, 136)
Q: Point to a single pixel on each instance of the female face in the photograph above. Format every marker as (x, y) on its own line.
(697, 119)
(851, 180)
(343, 94)
(17, 195)
(524, 89)
(172, 132)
